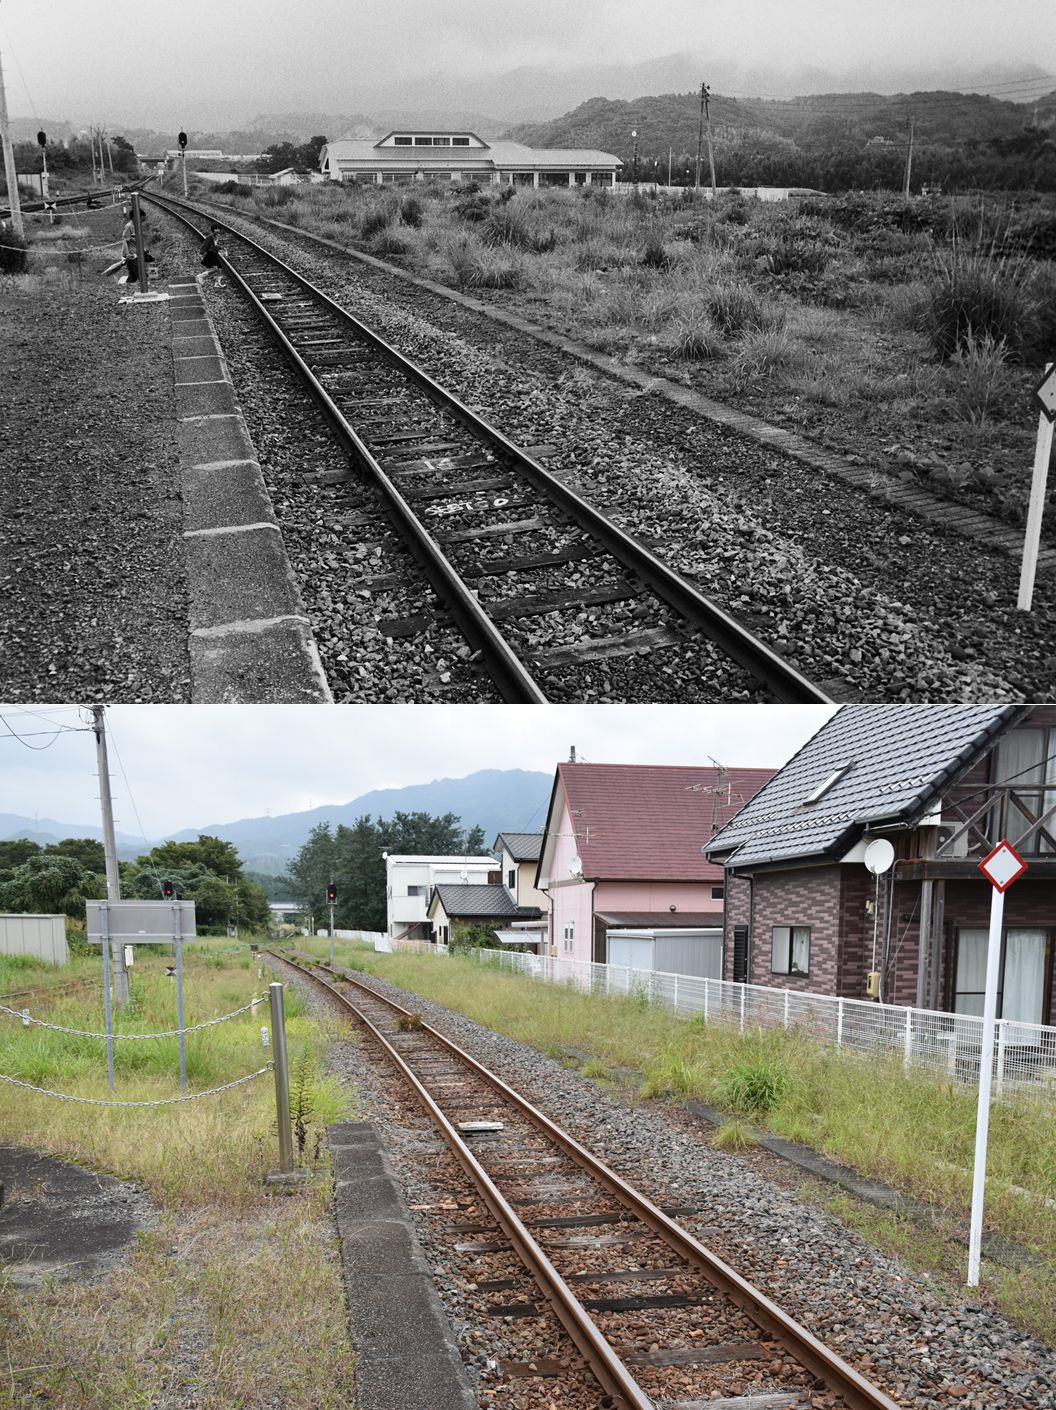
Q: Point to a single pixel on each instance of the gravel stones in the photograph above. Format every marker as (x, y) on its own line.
(91, 554)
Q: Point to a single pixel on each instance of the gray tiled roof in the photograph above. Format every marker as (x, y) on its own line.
(902, 757)
(485, 901)
(522, 846)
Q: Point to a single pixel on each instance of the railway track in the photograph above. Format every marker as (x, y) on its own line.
(538, 581)
(656, 1317)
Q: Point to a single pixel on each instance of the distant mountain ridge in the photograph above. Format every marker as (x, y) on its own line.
(511, 800)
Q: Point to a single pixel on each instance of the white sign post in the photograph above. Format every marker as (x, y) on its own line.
(1045, 395)
(1001, 868)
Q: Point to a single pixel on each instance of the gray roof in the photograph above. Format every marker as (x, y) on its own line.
(522, 846)
(902, 758)
(484, 901)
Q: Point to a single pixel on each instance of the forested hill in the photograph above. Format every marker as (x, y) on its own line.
(830, 140)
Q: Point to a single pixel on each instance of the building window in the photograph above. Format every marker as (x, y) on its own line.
(569, 943)
(511, 879)
(423, 141)
(403, 141)
(460, 141)
(417, 891)
(718, 892)
(790, 950)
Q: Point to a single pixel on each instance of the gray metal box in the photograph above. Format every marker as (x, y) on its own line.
(141, 922)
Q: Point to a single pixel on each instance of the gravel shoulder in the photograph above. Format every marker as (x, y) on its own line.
(91, 555)
(924, 1346)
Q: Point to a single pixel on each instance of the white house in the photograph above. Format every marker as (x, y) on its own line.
(409, 882)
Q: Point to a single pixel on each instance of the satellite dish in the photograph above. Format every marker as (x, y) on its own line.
(879, 856)
(575, 866)
(463, 875)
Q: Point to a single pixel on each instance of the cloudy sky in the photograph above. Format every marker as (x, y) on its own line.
(186, 766)
(136, 61)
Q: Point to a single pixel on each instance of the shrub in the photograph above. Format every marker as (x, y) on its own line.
(735, 309)
(762, 352)
(983, 375)
(12, 253)
(655, 255)
(694, 339)
(507, 225)
(412, 211)
(750, 1087)
(734, 1136)
(375, 221)
(389, 243)
(977, 293)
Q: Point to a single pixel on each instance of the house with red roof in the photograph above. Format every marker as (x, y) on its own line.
(623, 868)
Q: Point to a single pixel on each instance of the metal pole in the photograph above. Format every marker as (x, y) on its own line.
(177, 935)
(113, 874)
(331, 935)
(700, 137)
(104, 925)
(282, 1078)
(711, 151)
(10, 170)
(986, 1058)
(141, 263)
(1035, 510)
(183, 167)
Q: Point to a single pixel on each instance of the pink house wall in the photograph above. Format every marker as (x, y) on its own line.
(577, 903)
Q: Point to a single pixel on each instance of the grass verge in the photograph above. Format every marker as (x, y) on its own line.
(234, 1297)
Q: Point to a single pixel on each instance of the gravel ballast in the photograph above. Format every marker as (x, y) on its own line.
(886, 1320)
(91, 555)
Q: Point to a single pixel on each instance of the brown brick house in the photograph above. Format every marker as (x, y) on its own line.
(943, 784)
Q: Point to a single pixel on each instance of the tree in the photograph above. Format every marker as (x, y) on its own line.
(49, 883)
(16, 850)
(89, 851)
(209, 852)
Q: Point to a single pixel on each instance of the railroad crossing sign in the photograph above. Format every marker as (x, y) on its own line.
(1003, 866)
(1045, 393)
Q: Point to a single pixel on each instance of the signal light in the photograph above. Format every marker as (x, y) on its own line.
(182, 140)
(42, 139)
(168, 890)
(331, 893)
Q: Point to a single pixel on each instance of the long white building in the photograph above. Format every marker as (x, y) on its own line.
(409, 154)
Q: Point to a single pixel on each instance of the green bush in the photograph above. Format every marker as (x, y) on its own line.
(375, 221)
(12, 253)
(735, 309)
(412, 211)
(752, 1087)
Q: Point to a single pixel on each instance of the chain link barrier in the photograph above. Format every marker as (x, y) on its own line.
(24, 1015)
(43, 250)
(161, 1101)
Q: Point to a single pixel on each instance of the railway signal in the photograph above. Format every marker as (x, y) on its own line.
(1045, 396)
(168, 890)
(182, 140)
(331, 897)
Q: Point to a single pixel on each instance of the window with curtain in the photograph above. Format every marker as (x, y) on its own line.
(1026, 759)
(790, 949)
(1021, 994)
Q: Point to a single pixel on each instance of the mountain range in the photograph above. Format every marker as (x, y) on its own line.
(512, 800)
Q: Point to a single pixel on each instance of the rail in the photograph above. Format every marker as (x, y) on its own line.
(858, 1393)
(510, 675)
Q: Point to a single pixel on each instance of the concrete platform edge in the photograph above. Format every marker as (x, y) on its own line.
(409, 1356)
(266, 655)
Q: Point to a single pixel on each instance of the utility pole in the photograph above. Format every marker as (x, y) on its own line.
(9, 166)
(700, 133)
(909, 159)
(634, 134)
(711, 150)
(669, 150)
(113, 875)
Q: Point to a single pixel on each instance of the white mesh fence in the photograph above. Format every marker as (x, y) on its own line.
(946, 1044)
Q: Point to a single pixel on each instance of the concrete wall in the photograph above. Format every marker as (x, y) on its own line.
(42, 936)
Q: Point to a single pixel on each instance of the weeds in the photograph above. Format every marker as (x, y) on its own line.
(734, 1136)
(982, 375)
(753, 1088)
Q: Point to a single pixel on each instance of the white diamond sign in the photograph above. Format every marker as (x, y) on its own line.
(1045, 393)
(1003, 866)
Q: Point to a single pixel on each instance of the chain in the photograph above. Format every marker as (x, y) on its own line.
(162, 1101)
(23, 1014)
(86, 250)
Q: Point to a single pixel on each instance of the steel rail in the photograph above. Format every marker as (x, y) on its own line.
(610, 1371)
(513, 681)
(811, 1353)
(781, 678)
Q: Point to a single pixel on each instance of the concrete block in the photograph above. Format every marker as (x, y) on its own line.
(209, 399)
(268, 663)
(213, 439)
(224, 493)
(412, 1383)
(241, 576)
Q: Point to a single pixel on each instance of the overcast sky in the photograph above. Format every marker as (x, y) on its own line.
(190, 765)
(129, 58)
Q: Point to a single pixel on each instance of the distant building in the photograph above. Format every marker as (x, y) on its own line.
(413, 155)
(409, 883)
(493, 906)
